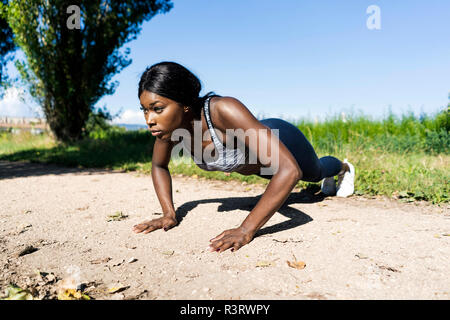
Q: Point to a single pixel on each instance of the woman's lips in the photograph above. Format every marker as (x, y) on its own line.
(156, 133)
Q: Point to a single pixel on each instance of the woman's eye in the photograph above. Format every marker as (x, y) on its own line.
(157, 109)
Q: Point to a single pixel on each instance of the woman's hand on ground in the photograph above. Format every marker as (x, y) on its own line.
(150, 225)
(232, 238)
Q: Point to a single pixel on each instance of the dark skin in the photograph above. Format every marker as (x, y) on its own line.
(226, 113)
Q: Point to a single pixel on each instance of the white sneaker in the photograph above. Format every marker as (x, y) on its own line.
(346, 183)
(328, 186)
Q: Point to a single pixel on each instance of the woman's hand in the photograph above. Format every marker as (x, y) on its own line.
(232, 238)
(150, 225)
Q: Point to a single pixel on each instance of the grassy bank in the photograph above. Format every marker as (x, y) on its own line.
(405, 157)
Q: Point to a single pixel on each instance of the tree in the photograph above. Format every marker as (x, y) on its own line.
(69, 69)
(6, 46)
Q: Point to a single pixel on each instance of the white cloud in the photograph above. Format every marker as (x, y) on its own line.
(12, 106)
(130, 117)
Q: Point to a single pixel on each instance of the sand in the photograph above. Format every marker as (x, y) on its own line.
(353, 248)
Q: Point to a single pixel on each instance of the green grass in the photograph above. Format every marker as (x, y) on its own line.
(113, 149)
(406, 157)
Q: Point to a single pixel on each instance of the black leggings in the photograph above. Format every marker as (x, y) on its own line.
(314, 169)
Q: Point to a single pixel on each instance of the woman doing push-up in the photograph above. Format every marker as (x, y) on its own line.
(270, 148)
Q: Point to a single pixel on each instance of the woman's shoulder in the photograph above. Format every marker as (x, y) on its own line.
(223, 100)
(220, 104)
(223, 106)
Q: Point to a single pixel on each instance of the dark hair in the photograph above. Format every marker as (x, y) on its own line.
(173, 81)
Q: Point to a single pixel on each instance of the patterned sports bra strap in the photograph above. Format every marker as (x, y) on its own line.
(212, 131)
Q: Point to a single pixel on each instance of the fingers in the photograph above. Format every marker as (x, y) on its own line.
(215, 246)
(141, 226)
(217, 238)
(146, 227)
(231, 238)
(152, 225)
(150, 229)
(220, 236)
(221, 246)
(225, 243)
(236, 247)
(225, 246)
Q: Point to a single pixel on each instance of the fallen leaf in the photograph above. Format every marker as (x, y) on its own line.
(131, 260)
(98, 261)
(72, 294)
(117, 216)
(14, 292)
(296, 264)
(264, 264)
(388, 268)
(168, 252)
(287, 240)
(117, 288)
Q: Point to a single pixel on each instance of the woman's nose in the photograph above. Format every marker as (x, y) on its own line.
(150, 120)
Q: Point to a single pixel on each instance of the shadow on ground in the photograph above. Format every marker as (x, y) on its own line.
(122, 150)
(17, 169)
(296, 217)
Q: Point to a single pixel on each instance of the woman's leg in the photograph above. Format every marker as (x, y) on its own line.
(314, 169)
(332, 166)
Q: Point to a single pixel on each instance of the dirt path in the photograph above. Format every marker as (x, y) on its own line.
(354, 248)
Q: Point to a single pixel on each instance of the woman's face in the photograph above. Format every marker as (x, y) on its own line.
(161, 114)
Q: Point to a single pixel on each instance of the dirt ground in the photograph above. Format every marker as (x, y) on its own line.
(353, 248)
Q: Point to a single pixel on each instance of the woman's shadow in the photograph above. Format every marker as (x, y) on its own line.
(296, 217)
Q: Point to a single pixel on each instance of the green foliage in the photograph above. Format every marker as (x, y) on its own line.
(6, 47)
(407, 133)
(68, 70)
(98, 124)
(389, 160)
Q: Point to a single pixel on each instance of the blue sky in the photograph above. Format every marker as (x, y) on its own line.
(293, 59)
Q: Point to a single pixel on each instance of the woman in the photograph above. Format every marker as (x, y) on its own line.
(169, 96)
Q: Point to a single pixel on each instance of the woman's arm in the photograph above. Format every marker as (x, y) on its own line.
(234, 115)
(162, 183)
